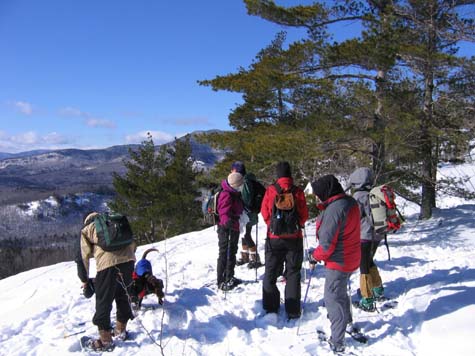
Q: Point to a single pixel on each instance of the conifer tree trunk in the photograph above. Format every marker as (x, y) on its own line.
(427, 169)
(378, 151)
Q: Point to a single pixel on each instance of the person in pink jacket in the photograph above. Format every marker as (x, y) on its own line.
(230, 208)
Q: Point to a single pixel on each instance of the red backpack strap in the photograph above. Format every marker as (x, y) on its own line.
(389, 197)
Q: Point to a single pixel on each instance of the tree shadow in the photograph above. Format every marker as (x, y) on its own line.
(440, 231)
(412, 319)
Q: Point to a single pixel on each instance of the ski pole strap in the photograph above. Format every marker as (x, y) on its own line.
(387, 246)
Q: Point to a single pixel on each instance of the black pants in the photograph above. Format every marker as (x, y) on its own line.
(109, 289)
(247, 239)
(277, 252)
(228, 246)
(368, 250)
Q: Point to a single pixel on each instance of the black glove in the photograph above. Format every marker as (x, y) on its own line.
(89, 289)
(311, 260)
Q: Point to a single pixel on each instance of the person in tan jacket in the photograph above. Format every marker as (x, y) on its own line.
(113, 273)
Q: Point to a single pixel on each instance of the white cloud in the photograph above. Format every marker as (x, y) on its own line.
(89, 119)
(31, 140)
(23, 107)
(157, 136)
(92, 122)
(26, 138)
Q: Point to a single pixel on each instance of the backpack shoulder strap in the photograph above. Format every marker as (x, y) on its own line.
(280, 190)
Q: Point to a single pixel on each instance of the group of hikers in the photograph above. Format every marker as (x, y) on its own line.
(345, 231)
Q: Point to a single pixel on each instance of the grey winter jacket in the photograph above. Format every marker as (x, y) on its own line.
(361, 181)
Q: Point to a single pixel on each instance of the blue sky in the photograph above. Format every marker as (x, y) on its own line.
(98, 73)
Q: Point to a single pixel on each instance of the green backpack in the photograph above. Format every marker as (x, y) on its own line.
(252, 193)
(113, 231)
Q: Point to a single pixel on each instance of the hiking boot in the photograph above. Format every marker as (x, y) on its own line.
(104, 343)
(367, 304)
(336, 347)
(244, 256)
(119, 332)
(231, 284)
(378, 293)
(254, 259)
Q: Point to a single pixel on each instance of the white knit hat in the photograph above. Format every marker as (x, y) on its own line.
(235, 180)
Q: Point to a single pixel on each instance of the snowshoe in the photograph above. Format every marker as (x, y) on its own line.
(231, 284)
(365, 304)
(89, 344)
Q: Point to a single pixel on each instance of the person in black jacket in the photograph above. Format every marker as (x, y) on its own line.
(249, 252)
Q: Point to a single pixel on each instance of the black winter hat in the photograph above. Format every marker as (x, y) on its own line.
(326, 187)
(239, 167)
(283, 170)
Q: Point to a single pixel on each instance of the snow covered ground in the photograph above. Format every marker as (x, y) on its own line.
(431, 274)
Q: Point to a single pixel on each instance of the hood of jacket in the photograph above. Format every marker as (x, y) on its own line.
(326, 187)
(362, 179)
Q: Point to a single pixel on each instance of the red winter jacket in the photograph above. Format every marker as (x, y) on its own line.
(338, 233)
(268, 203)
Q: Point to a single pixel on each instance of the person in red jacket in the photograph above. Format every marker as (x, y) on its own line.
(338, 234)
(283, 244)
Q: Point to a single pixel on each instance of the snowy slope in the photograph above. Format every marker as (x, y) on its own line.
(431, 274)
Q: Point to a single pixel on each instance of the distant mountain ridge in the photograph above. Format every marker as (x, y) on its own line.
(4, 155)
(35, 175)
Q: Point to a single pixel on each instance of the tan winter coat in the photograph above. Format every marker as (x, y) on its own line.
(104, 259)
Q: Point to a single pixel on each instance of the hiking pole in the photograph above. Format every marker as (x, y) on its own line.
(305, 298)
(74, 333)
(257, 243)
(228, 254)
(305, 252)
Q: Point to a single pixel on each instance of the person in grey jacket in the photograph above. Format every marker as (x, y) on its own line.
(338, 235)
(371, 285)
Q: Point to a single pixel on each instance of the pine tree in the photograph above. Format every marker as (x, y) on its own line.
(158, 191)
(183, 211)
(433, 28)
(355, 100)
(138, 192)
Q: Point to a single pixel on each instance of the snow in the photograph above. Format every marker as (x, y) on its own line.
(431, 274)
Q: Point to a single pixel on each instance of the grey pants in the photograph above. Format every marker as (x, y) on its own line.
(337, 303)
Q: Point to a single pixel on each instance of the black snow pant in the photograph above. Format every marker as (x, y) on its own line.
(228, 245)
(368, 250)
(278, 251)
(337, 303)
(109, 287)
(247, 239)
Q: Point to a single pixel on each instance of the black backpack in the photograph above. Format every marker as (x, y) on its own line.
(113, 231)
(285, 219)
(252, 193)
